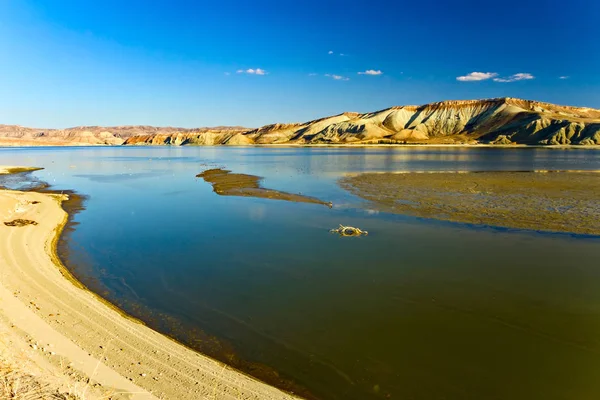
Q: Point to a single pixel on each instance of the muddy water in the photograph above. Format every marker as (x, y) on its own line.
(418, 309)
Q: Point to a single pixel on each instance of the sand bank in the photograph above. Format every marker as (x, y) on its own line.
(226, 183)
(6, 169)
(558, 201)
(73, 337)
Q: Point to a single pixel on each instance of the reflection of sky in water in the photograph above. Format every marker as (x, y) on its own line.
(122, 177)
(301, 168)
(422, 309)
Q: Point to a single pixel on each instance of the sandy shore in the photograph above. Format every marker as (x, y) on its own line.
(9, 169)
(52, 325)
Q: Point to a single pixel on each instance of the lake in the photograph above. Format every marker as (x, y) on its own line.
(418, 309)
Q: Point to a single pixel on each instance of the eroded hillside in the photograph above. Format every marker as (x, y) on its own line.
(492, 121)
(495, 121)
(14, 135)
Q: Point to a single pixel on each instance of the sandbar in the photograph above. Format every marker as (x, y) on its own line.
(556, 201)
(226, 183)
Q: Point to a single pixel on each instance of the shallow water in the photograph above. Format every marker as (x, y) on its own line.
(418, 309)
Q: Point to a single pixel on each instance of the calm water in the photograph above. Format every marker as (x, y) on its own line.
(418, 309)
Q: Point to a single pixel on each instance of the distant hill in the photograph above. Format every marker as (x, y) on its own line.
(490, 121)
(15, 135)
(494, 121)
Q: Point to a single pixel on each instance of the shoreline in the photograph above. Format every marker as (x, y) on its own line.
(319, 145)
(87, 340)
(8, 169)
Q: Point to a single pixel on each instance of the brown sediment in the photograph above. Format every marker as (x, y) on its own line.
(226, 183)
(20, 222)
(558, 201)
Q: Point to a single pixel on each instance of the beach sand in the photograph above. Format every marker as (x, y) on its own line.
(9, 169)
(57, 330)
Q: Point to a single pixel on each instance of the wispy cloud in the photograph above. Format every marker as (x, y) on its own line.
(371, 72)
(337, 77)
(484, 76)
(521, 76)
(252, 71)
(330, 52)
(228, 73)
(312, 74)
(476, 76)
(564, 77)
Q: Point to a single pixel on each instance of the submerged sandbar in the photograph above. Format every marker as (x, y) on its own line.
(558, 201)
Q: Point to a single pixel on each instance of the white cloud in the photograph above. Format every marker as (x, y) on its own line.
(330, 52)
(476, 76)
(227, 73)
(337, 77)
(371, 72)
(483, 76)
(312, 74)
(252, 71)
(521, 76)
(564, 77)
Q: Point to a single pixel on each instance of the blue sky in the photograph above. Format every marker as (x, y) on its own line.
(186, 63)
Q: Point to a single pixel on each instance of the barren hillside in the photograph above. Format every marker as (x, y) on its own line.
(15, 135)
(491, 121)
(494, 121)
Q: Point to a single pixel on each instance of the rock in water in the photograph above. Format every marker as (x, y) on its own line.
(349, 231)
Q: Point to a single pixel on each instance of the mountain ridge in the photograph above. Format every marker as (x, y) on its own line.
(503, 120)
